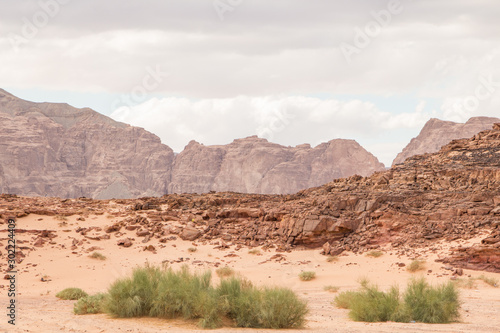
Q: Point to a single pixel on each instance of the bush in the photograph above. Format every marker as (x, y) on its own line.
(97, 255)
(192, 249)
(332, 289)
(255, 252)
(416, 265)
(224, 272)
(429, 304)
(90, 304)
(490, 281)
(171, 294)
(421, 302)
(332, 259)
(374, 254)
(71, 294)
(307, 276)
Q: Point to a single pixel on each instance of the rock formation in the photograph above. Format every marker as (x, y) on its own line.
(254, 165)
(436, 133)
(453, 194)
(49, 149)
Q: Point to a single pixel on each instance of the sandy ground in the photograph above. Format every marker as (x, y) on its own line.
(40, 311)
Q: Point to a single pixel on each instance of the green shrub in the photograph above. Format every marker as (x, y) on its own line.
(90, 304)
(307, 276)
(420, 302)
(172, 294)
(490, 281)
(416, 265)
(71, 294)
(98, 256)
(374, 254)
(332, 289)
(224, 272)
(429, 304)
(332, 258)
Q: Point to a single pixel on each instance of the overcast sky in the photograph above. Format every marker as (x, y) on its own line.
(288, 70)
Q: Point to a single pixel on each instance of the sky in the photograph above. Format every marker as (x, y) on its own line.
(289, 71)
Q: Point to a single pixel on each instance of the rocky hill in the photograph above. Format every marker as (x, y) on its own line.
(49, 149)
(453, 194)
(254, 165)
(436, 133)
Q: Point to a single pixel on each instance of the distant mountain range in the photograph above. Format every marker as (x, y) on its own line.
(49, 149)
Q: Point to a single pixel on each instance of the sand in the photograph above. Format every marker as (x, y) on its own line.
(40, 311)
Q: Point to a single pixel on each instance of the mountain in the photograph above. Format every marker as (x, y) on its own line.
(254, 165)
(49, 149)
(436, 133)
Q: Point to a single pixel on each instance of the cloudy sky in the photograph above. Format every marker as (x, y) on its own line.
(288, 70)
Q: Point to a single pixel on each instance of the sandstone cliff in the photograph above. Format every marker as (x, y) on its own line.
(49, 149)
(436, 133)
(254, 165)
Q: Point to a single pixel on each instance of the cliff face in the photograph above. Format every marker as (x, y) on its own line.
(254, 165)
(436, 133)
(51, 149)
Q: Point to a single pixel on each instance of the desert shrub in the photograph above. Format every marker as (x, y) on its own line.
(167, 293)
(192, 249)
(98, 256)
(255, 252)
(224, 271)
(307, 276)
(416, 265)
(488, 280)
(90, 304)
(420, 302)
(332, 258)
(469, 283)
(429, 304)
(71, 294)
(344, 299)
(250, 306)
(332, 289)
(374, 254)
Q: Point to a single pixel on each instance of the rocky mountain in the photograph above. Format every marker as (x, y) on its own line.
(453, 194)
(49, 149)
(436, 133)
(254, 165)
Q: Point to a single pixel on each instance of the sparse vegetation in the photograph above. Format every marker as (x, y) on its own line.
(488, 280)
(332, 289)
(192, 249)
(420, 302)
(166, 293)
(90, 304)
(332, 258)
(307, 276)
(60, 218)
(374, 254)
(254, 252)
(98, 256)
(224, 272)
(71, 294)
(469, 283)
(416, 265)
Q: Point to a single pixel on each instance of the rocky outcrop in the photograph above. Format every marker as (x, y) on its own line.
(254, 165)
(436, 133)
(49, 149)
(453, 194)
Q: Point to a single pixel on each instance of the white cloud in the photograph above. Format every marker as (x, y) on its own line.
(287, 120)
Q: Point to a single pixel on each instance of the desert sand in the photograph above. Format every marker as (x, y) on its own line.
(40, 311)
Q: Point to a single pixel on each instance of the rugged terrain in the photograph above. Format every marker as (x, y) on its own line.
(436, 133)
(49, 149)
(442, 207)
